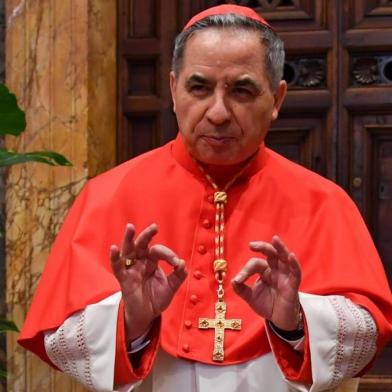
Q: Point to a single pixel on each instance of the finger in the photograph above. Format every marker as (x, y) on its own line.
(253, 266)
(280, 246)
(143, 240)
(161, 252)
(267, 277)
(178, 275)
(243, 290)
(267, 250)
(116, 263)
(128, 247)
(295, 267)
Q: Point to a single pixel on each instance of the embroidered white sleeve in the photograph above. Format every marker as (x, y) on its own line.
(84, 345)
(363, 338)
(342, 340)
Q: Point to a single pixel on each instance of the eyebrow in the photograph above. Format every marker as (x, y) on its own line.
(247, 81)
(196, 78)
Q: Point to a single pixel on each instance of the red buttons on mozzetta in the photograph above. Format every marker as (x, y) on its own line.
(188, 324)
(185, 347)
(211, 199)
(197, 274)
(206, 224)
(194, 299)
(201, 249)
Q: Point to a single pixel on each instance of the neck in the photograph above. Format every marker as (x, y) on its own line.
(222, 174)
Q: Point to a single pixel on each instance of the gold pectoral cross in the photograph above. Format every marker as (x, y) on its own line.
(219, 323)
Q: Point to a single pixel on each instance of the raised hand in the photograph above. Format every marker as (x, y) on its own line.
(146, 289)
(274, 295)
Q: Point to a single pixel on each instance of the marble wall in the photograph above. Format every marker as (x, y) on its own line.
(2, 196)
(61, 64)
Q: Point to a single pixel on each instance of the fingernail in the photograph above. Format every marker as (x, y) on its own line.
(177, 262)
(237, 279)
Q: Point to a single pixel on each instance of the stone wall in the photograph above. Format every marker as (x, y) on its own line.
(2, 192)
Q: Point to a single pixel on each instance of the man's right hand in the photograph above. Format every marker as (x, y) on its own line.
(146, 290)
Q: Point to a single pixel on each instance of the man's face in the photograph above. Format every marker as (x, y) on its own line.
(222, 98)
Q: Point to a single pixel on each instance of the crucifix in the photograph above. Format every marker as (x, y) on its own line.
(219, 323)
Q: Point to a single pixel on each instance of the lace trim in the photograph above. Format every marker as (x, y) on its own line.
(339, 349)
(355, 323)
(81, 342)
(369, 340)
(66, 348)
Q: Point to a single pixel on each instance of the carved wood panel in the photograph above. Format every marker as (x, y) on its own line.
(365, 135)
(145, 118)
(335, 119)
(300, 140)
(371, 178)
(369, 14)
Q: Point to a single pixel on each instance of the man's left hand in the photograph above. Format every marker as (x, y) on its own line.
(274, 295)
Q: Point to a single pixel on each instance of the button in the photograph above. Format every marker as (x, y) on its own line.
(197, 274)
(194, 299)
(202, 249)
(211, 199)
(206, 224)
(188, 324)
(186, 347)
(357, 182)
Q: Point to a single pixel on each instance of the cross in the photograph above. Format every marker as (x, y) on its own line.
(219, 323)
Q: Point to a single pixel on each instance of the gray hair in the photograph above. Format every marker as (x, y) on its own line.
(274, 57)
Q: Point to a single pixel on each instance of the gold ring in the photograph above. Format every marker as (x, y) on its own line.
(128, 261)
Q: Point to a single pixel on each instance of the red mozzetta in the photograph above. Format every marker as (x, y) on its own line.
(315, 218)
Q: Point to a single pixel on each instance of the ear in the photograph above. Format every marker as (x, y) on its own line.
(279, 98)
(173, 85)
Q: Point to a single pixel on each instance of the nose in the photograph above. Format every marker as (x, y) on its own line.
(218, 111)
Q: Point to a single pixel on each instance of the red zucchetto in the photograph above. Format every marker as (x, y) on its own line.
(227, 9)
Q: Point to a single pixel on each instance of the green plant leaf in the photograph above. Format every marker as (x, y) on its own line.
(8, 325)
(3, 373)
(8, 158)
(12, 118)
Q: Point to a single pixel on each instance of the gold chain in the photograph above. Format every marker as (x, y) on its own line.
(220, 200)
(220, 323)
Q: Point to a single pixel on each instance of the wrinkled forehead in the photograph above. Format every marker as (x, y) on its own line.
(222, 44)
(223, 51)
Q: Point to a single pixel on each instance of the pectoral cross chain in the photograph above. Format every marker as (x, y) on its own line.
(219, 323)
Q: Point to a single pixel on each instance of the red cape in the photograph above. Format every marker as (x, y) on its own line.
(316, 219)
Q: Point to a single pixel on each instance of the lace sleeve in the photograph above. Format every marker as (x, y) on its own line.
(67, 349)
(342, 340)
(357, 328)
(83, 347)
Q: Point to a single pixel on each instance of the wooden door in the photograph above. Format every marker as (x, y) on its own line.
(337, 116)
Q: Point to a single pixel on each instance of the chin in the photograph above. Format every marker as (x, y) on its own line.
(219, 161)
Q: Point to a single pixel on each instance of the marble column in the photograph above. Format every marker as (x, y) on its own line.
(61, 64)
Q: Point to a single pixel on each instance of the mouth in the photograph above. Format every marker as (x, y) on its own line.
(218, 141)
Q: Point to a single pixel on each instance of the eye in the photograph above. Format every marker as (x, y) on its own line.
(199, 89)
(242, 93)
